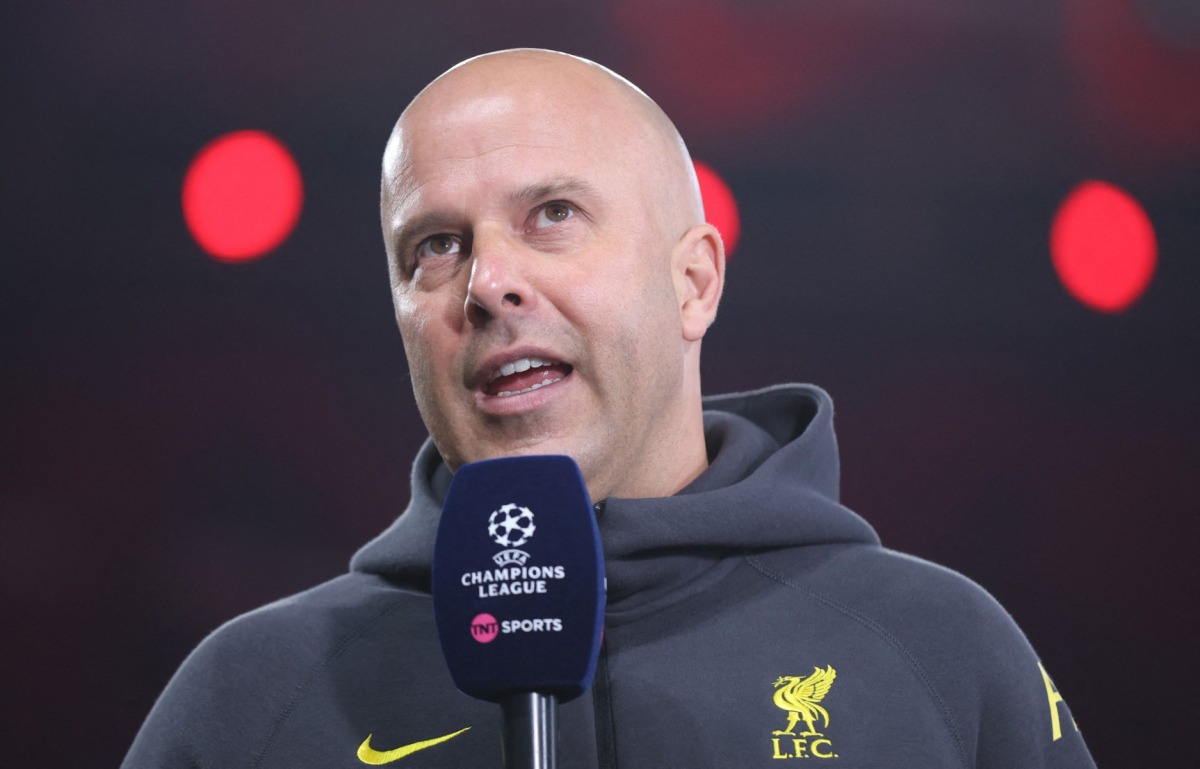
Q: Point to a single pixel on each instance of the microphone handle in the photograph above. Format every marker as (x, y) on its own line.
(530, 732)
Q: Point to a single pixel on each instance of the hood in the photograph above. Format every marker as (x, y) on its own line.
(772, 482)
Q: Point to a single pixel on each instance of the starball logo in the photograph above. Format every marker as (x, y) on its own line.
(510, 527)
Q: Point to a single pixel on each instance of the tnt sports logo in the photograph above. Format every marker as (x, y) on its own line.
(484, 628)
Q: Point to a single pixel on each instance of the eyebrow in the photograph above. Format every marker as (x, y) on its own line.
(561, 185)
(432, 221)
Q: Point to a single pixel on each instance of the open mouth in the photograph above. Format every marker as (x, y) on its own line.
(525, 375)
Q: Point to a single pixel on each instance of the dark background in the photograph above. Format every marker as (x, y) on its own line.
(184, 440)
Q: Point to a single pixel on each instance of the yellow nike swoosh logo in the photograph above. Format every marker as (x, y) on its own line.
(369, 755)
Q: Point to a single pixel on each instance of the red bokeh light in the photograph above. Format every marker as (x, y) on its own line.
(720, 207)
(1103, 246)
(242, 195)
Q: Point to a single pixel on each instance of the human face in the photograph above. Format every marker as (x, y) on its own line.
(532, 279)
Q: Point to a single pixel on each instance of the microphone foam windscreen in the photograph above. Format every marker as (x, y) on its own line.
(518, 579)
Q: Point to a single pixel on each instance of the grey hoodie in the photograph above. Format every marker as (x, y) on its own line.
(752, 620)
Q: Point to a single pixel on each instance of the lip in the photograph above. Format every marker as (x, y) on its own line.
(521, 402)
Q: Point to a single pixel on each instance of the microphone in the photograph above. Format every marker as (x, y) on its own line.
(518, 593)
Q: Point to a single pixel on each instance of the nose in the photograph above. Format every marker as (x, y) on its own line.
(499, 283)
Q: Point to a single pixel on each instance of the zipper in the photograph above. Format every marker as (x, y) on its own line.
(606, 737)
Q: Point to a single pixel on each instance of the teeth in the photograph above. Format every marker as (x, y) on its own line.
(519, 365)
(543, 383)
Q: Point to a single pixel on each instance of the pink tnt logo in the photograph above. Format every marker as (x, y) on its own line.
(484, 628)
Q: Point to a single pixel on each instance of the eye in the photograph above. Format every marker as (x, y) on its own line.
(554, 212)
(439, 245)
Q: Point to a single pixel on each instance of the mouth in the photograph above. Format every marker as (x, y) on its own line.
(524, 375)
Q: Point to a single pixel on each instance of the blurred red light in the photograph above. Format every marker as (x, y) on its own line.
(242, 195)
(720, 207)
(1103, 246)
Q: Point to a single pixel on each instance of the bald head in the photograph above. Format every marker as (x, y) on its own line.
(551, 270)
(573, 94)
(526, 70)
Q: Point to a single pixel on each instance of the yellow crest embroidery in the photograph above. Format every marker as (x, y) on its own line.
(801, 697)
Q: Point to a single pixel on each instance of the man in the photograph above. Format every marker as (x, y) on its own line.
(553, 279)
(536, 207)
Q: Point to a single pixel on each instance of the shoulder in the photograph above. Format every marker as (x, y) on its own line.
(289, 635)
(947, 627)
(898, 593)
(963, 647)
(246, 672)
(284, 640)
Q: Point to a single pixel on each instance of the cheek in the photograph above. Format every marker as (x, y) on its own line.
(424, 321)
(653, 306)
(630, 303)
(415, 329)
(411, 315)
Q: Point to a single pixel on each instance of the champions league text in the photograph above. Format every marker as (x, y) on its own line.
(514, 580)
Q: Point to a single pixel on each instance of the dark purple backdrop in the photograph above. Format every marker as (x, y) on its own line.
(184, 440)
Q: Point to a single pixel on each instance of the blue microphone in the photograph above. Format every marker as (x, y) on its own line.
(518, 592)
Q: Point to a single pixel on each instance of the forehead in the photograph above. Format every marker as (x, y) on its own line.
(456, 138)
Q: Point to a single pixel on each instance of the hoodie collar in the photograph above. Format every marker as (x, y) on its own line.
(772, 482)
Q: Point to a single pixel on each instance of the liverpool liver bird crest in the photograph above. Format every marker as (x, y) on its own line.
(799, 697)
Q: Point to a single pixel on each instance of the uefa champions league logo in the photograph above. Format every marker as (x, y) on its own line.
(510, 527)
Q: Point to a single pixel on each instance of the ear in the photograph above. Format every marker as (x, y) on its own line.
(698, 269)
